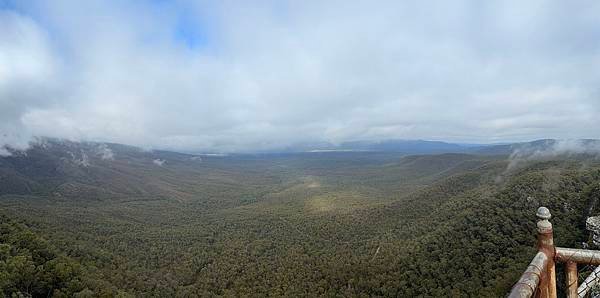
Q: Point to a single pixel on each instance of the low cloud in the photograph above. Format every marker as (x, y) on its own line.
(79, 158)
(550, 149)
(159, 162)
(4, 152)
(231, 77)
(104, 152)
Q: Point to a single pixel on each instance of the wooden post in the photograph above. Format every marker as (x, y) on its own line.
(571, 280)
(552, 279)
(542, 290)
(546, 245)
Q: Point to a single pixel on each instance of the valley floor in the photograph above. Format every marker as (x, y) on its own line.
(321, 224)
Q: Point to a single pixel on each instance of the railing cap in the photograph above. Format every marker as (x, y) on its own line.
(543, 213)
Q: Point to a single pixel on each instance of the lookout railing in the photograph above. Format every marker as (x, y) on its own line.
(539, 279)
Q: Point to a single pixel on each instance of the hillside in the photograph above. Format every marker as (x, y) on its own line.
(150, 223)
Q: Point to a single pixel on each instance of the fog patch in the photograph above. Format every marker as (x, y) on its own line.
(4, 152)
(10, 144)
(81, 160)
(104, 152)
(18, 145)
(550, 149)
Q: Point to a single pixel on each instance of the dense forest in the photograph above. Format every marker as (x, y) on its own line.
(97, 220)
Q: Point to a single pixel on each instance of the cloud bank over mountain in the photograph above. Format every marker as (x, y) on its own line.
(236, 76)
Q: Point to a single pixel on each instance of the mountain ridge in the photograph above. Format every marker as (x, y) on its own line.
(404, 146)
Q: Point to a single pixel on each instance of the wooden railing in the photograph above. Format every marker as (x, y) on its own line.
(539, 279)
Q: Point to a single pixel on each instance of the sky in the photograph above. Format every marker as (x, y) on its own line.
(236, 76)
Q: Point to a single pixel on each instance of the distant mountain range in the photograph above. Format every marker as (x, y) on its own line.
(438, 147)
(399, 146)
(107, 169)
(407, 147)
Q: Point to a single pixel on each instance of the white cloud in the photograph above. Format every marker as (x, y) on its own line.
(27, 69)
(550, 149)
(270, 74)
(104, 152)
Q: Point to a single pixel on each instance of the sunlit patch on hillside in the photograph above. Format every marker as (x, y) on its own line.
(314, 184)
(311, 182)
(341, 202)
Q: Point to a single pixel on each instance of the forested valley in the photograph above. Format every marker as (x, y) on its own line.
(104, 220)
